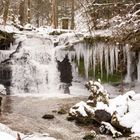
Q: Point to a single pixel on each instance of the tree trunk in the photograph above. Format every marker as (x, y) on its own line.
(6, 11)
(72, 14)
(54, 14)
(22, 12)
(29, 11)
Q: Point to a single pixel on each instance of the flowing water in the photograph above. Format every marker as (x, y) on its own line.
(34, 66)
(32, 69)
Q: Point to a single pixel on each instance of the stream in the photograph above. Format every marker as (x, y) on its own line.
(37, 85)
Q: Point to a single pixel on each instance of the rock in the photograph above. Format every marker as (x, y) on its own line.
(102, 115)
(99, 94)
(54, 111)
(0, 104)
(69, 118)
(115, 122)
(62, 111)
(90, 136)
(107, 128)
(18, 136)
(2, 90)
(48, 116)
(82, 113)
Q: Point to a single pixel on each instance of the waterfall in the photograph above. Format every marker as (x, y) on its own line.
(34, 68)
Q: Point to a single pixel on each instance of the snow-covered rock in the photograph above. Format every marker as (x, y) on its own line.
(2, 90)
(124, 111)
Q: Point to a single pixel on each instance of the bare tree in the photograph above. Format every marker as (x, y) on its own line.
(22, 12)
(6, 11)
(54, 14)
(29, 11)
(72, 14)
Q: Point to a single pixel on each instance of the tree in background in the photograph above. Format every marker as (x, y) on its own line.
(29, 11)
(40, 14)
(72, 14)
(6, 11)
(54, 14)
(22, 12)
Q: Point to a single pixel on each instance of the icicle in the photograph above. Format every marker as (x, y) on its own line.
(94, 59)
(86, 53)
(71, 55)
(112, 59)
(128, 55)
(101, 53)
(116, 56)
(138, 68)
(78, 47)
(107, 60)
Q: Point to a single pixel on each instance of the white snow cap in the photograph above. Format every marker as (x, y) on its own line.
(2, 90)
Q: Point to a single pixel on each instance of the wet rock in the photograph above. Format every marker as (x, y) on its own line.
(54, 111)
(62, 111)
(69, 118)
(90, 136)
(102, 115)
(48, 116)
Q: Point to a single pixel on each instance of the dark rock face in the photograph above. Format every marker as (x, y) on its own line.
(65, 71)
(5, 40)
(70, 118)
(5, 76)
(48, 116)
(102, 115)
(65, 74)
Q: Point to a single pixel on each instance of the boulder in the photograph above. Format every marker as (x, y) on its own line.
(62, 111)
(48, 116)
(98, 93)
(102, 115)
(90, 136)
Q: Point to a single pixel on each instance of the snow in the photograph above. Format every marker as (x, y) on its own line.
(2, 90)
(38, 137)
(126, 108)
(81, 107)
(8, 134)
(5, 136)
(109, 127)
